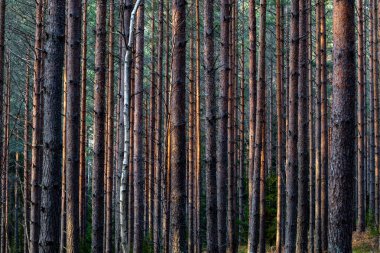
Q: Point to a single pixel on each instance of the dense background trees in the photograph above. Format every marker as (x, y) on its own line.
(174, 126)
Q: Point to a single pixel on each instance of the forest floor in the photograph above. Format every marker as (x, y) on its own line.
(367, 242)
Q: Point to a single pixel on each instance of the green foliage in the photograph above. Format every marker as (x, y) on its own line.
(270, 209)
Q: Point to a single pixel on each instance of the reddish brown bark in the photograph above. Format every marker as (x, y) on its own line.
(178, 130)
(341, 174)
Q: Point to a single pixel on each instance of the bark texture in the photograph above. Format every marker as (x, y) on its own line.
(341, 173)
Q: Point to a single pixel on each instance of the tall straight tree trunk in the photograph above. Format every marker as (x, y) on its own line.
(371, 118)
(242, 155)
(5, 173)
(138, 157)
(158, 166)
(360, 118)
(110, 132)
(99, 128)
(231, 197)
(211, 193)
(221, 152)
(52, 136)
(2, 165)
(73, 68)
(341, 174)
(260, 158)
(263, 168)
(82, 142)
(26, 187)
(191, 153)
(375, 93)
(198, 177)
(152, 123)
(279, 162)
(166, 172)
(324, 128)
(259, 151)
(124, 124)
(252, 114)
(302, 145)
(318, 235)
(62, 245)
(37, 129)
(311, 131)
(178, 130)
(292, 152)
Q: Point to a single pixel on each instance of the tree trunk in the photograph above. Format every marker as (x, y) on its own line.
(110, 132)
(152, 124)
(341, 174)
(360, 118)
(318, 235)
(157, 222)
(279, 87)
(302, 145)
(2, 165)
(256, 195)
(138, 157)
(178, 130)
(37, 129)
(99, 128)
(221, 152)
(73, 68)
(82, 142)
(124, 125)
(231, 197)
(211, 197)
(292, 154)
(52, 136)
(324, 129)
(198, 177)
(191, 149)
(311, 132)
(252, 115)
(5, 173)
(26, 187)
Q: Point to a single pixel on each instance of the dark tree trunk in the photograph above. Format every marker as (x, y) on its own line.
(360, 119)
(178, 130)
(99, 128)
(73, 68)
(303, 137)
(221, 152)
(26, 160)
(52, 135)
(211, 197)
(82, 143)
(138, 157)
(157, 222)
(292, 152)
(252, 115)
(110, 132)
(279, 162)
